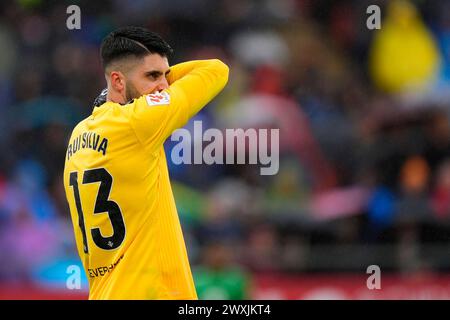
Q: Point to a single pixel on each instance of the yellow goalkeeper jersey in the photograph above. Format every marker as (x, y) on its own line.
(117, 185)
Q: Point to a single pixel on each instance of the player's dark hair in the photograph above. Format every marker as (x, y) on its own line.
(132, 41)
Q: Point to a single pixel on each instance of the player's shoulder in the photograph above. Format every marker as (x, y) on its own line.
(79, 127)
(81, 124)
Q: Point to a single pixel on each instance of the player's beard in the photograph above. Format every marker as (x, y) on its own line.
(131, 92)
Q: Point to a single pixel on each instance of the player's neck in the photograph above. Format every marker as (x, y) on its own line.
(114, 96)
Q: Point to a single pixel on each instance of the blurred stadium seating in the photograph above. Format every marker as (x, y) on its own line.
(364, 143)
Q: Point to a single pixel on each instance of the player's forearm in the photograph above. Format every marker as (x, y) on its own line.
(204, 80)
(179, 70)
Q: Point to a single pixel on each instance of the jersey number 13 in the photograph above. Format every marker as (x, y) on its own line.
(102, 205)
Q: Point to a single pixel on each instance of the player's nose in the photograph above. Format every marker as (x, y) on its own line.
(163, 84)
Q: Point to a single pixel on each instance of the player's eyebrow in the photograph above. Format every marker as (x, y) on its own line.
(156, 73)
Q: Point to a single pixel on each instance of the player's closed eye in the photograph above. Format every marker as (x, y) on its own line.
(154, 76)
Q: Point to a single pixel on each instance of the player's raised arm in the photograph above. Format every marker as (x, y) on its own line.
(201, 84)
(179, 70)
(192, 85)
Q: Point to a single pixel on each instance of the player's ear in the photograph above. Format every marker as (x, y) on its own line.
(117, 80)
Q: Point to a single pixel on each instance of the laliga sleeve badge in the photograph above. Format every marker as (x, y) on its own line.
(157, 99)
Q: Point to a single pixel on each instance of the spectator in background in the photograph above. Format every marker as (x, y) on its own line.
(441, 192)
(412, 208)
(262, 251)
(218, 277)
(404, 53)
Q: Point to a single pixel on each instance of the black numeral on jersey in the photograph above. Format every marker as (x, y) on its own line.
(102, 205)
(76, 192)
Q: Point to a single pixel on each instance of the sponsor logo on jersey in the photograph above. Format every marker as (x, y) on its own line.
(157, 99)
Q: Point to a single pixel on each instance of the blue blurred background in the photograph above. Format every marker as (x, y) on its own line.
(364, 144)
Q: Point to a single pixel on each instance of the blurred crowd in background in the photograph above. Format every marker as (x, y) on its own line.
(364, 134)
